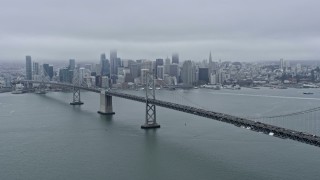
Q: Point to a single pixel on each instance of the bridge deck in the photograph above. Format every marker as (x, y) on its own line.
(255, 126)
(237, 121)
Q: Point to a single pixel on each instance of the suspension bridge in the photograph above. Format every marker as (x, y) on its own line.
(253, 123)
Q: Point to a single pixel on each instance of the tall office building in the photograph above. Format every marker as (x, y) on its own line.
(35, 68)
(281, 64)
(113, 66)
(160, 72)
(298, 67)
(167, 65)
(135, 69)
(147, 65)
(188, 73)
(45, 68)
(98, 69)
(118, 61)
(167, 61)
(174, 70)
(175, 58)
(104, 65)
(72, 64)
(63, 73)
(113, 62)
(82, 72)
(103, 56)
(50, 73)
(159, 62)
(104, 82)
(88, 66)
(287, 64)
(204, 75)
(144, 75)
(28, 68)
(211, 64)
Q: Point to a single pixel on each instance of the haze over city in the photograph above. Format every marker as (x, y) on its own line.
(245, 30)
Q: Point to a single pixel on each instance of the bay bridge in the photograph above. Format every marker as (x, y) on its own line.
(151, 102)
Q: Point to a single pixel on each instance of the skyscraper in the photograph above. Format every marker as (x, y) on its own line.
(88, 66)
(28, 68)
(160, 72)
(50, 73)
(103, 56)
(113, 65)
(144, 75)
(188, 73)
(159, 62)
(63, 74)
(167, 65)
(211, 64)
(72, 64)
(104, 65)
(135, 69)
(113, 62)
(167, 61)
(204, 75)
(35, 68)
(174, 70)
(281, 64)
(175, 58)
(45, 68)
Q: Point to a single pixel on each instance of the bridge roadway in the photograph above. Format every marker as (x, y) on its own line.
(237, 121)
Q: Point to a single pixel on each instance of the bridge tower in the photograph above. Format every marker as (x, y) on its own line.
(76, 90)
(41, 89)
(150, 122)
(105, 104)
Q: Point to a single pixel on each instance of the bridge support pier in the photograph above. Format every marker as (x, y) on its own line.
(76, 97)
(105, 104)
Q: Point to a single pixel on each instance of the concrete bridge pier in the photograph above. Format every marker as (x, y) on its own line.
(105, 104)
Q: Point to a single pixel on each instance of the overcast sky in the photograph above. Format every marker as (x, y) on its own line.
(232, 29)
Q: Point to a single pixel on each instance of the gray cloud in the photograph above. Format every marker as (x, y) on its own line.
(231, 29)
